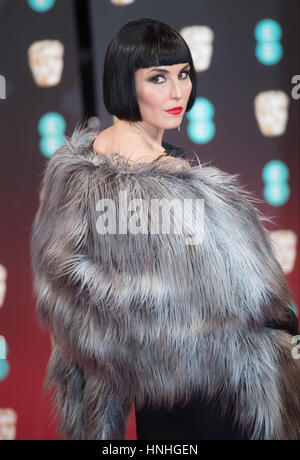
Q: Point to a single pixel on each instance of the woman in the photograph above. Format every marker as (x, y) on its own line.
(191, 324)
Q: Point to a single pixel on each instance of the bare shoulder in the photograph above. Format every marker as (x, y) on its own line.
(101, 142)
(111, 140)
(132, 146)
(126, 143)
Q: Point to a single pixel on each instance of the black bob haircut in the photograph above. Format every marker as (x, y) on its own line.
(139, 44)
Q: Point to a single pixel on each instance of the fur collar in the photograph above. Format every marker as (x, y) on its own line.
(147, 318)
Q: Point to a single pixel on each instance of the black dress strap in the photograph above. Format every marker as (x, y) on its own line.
(172, 150)
(289, 323)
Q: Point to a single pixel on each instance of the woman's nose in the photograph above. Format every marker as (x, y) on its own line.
(176, 90)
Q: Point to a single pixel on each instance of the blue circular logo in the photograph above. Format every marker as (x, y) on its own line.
(41, 6)
(267, 30)
(52, 124)
(275, 172)
(268, 33)
(49, 144)
(4, 369)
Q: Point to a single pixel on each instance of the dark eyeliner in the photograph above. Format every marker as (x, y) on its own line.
(160, 75)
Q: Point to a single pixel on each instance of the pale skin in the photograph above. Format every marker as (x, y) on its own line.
(157, 91)
(170, 89)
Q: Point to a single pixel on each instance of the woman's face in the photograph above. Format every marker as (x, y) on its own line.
(161, 90)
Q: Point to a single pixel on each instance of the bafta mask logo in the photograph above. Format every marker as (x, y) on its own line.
(285, 248)
(122, 2)
(3, 276)
(8, 420)
(46, 62)
(200, 41)
(271, 111)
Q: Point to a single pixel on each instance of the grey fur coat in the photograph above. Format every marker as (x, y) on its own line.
(151, 317)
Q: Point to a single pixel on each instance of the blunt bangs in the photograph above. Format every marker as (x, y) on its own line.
(140, 44)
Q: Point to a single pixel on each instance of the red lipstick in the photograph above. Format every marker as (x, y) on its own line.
(174, 110)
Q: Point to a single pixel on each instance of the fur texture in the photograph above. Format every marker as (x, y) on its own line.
(149, 320)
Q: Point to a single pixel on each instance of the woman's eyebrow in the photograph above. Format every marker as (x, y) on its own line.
(167, 71)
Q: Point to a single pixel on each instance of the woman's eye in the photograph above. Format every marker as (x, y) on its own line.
(154, 79)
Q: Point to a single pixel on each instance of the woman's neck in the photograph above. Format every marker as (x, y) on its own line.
(149, 133)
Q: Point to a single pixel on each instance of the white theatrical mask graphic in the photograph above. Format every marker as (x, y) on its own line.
(122, 2)
(8, 421)
(271, 111)
(200, 41)
(3, 277)
(46, 61)
(285, 248)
